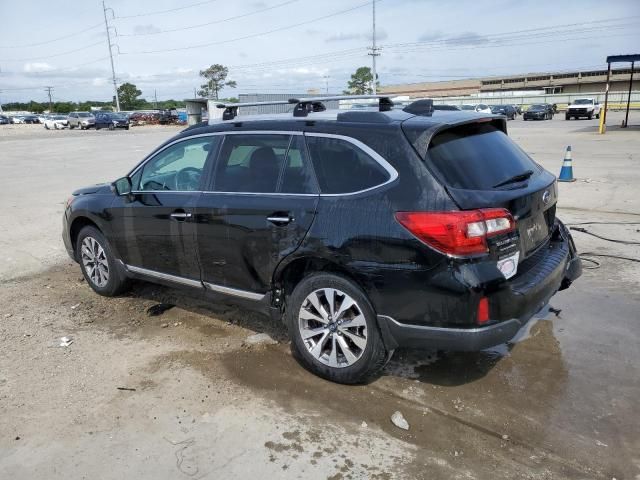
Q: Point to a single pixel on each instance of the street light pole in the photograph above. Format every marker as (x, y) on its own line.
(374, 51)
(113, 69)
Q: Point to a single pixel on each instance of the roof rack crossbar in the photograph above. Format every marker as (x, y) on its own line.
(231, 109)
(315, 104)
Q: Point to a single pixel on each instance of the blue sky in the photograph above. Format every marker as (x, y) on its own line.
(293, 45)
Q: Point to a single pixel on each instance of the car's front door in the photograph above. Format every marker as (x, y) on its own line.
(154, 227)
(260, 205)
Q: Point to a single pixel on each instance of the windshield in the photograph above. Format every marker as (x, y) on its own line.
(583, 101)
(84, 114)
(118, 116)
(467, 107)
(498, 107)
(59, 117)
(537, 107)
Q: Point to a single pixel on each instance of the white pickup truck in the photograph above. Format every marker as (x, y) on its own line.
(583, 107)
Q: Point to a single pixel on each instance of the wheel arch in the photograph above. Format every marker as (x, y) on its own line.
(77, 225)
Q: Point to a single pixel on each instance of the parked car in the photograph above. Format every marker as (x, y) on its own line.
(31, 119)
(56, 122)
(468, 107)
(111, 120)
(583, 107)
(363, 231)
(540, 111)
(506, 110)
(81, 120)
(16, 119)
(4, 120)
(482, 108)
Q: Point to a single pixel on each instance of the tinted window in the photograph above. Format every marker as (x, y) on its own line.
(342, 167)
(477, 157)
(251, 163)
(178, 167)
(297, 176)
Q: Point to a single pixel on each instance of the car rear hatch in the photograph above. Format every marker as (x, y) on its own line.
(481, 167)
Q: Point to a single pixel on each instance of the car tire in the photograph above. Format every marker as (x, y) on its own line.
(99, 266)
(590, 117)
(55, 126)
(46, 126)
(127, 127)
(346, 354)
(111, 127)
(567, 117)
(597, 116)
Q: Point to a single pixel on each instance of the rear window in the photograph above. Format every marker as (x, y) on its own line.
(477, 157)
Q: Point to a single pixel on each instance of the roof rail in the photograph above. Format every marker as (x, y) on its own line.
(314, 104)
(303, 106)
(231, 109)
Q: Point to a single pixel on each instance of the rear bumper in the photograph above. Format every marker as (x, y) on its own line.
(397, 334)
(515, 302)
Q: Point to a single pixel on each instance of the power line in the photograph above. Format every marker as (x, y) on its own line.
(254, 35)
(46, 42)
(45, 57)
(214, 22)
(157, 12)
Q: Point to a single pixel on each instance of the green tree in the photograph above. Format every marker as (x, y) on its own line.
(128, 94)
(361, 82)
(216, 80)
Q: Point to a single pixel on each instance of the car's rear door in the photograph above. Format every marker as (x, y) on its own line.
(261, 203)
(154, 229)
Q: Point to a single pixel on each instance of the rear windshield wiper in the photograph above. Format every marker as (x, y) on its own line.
(516, 178)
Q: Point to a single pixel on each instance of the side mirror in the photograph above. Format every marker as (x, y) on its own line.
(122, 186)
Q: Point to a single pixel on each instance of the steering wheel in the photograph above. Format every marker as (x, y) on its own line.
(188, 179)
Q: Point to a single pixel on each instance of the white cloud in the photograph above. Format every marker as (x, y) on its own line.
(99, 82)
(37, 67)
(145, 29)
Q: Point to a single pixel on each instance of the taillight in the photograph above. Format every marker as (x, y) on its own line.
(483, 311)
(459, 233)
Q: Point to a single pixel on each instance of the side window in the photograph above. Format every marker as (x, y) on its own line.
(262, 164)
(342, 167)
(178, 167)
(297, 176)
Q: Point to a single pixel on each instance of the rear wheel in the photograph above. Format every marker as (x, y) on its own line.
(333, 329)
(99, 266)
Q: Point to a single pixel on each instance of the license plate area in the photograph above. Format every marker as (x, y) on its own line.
(533, 231)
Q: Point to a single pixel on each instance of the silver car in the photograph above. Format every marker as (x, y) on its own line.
(82, 120)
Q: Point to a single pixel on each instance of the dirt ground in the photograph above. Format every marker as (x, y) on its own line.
(184, 395)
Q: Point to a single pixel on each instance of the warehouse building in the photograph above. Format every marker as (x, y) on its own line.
(549, 83)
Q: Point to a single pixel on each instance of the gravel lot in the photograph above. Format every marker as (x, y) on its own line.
(183, 395)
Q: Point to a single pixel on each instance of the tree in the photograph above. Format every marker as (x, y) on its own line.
(128, 94)
(361, 82)
(216, 77)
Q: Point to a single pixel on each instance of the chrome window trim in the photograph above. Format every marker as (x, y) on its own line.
(393, 173)
(163, 276)
(234, 292)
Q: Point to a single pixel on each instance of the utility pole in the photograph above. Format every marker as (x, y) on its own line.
(113, 70)
(326, 82)
(48, 89)
(374, 50)
(155, 98)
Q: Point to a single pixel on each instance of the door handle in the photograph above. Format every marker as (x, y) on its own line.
(280, 219)
(180, 216)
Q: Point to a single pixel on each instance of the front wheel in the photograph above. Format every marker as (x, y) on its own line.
(111, 127)
(598, 116)
(590, 116)
(99, 266)
(333, 329)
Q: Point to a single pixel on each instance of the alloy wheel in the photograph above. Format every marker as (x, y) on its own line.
(94, 260)
(333, 327)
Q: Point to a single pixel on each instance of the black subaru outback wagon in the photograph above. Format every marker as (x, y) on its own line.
(363, 230)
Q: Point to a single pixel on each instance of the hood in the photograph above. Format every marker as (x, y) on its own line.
(98, 188)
